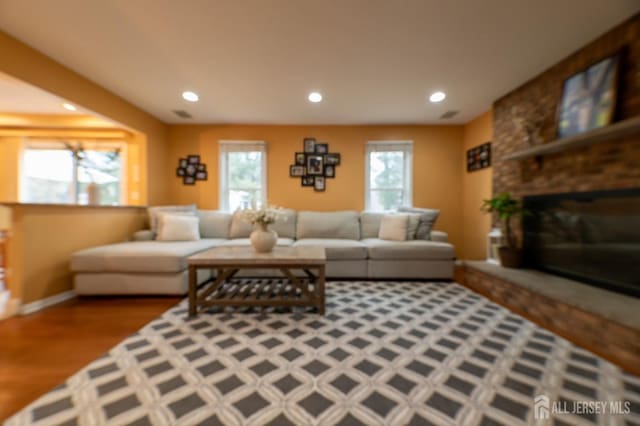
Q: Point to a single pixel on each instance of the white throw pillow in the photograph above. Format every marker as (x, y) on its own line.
(394, 227)
(174, 227)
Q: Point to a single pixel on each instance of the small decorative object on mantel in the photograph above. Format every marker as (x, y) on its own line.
(263, 239)
(479, 157)
(505, 207)
(314, 164)
(190, 169)
(589, 98)
(532, 124)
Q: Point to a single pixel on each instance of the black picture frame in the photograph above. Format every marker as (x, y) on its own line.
(589, 98)
(307, 180)
(296, 171)
(319, 184)
(201, 175)
(309, 145)
(479, 157)
(315, 165)
(191, 170)
(329, 171)
(182, 162)
(189, 180)
(180, 171)
(332, 158)
(300, 159)
(193, 159)
(321, 148)
(202, 167)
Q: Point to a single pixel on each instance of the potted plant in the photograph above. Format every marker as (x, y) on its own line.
(505, 207)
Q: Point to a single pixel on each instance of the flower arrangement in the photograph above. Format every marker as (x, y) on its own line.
(262, 216)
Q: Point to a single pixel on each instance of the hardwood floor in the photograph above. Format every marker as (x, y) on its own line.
(39, 351)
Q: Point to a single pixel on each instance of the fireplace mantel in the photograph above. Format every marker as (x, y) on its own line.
(614, 131)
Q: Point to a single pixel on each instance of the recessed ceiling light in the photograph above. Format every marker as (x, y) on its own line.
(437, 97)
(69, 107)
(190, 96)
(315, 97)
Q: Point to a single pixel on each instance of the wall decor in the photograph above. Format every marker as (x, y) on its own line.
(589, 98)
(190, 169)
(479, 157)
(314, 164)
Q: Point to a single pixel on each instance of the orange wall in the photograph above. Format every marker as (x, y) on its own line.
(436, 172)
(29, 65)
(476, 186)
(44, 237)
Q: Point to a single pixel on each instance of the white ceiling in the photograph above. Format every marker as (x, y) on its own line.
(255, 61)
(19, 97)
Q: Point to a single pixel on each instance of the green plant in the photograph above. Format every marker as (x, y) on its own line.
(505, 207)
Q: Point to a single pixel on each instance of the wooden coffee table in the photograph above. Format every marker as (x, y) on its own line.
(227, 261)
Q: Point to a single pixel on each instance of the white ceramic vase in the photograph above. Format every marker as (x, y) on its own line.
(263, 239)
(93, 194)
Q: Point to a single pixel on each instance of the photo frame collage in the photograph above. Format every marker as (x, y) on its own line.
(315, 164)
(479, 157)
(190, 169)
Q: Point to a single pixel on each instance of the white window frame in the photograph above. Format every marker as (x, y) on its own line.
(228, 146)
(386, 146)
(87, 144)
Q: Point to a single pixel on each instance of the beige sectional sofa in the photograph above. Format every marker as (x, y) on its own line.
(353, 250)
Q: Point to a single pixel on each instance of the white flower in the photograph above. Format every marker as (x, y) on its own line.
(264, 215)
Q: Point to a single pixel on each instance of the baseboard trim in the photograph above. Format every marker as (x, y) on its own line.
(38, 305)
(11, 309)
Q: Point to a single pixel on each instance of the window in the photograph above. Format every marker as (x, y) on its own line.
(388, 168)
(61, 172)
(243, 174)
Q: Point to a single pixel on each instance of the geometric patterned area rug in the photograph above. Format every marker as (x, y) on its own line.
(385, 353)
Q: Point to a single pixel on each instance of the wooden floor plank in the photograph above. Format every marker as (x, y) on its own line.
(39, 351)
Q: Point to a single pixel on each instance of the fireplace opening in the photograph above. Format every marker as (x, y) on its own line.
(592, 237)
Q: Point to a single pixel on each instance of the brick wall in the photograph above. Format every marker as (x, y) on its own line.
(610, 165)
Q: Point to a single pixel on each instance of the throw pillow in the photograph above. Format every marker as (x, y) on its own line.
(412, 228)
(427, 220)
(394, 227)
(174, 227)
(156, 210)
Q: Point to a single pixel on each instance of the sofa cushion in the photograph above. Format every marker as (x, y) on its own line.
(285, 226)
(338, 225)
(140, 256)
(155, 210)
(370, 224)
(214, 223)
(427, 220)
(336, 249)
(378, 249)
(246, 242)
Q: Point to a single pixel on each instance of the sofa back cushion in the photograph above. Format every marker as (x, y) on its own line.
(370, 224)
(155, 210)
(214, 224)
(285, 226)
(339, 225)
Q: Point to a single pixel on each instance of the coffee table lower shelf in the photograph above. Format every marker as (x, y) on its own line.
(286, 291)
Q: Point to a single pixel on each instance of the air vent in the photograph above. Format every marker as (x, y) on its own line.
(182, 113)
(449, 114)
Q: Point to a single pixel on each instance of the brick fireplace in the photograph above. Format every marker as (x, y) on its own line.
(607, 165)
